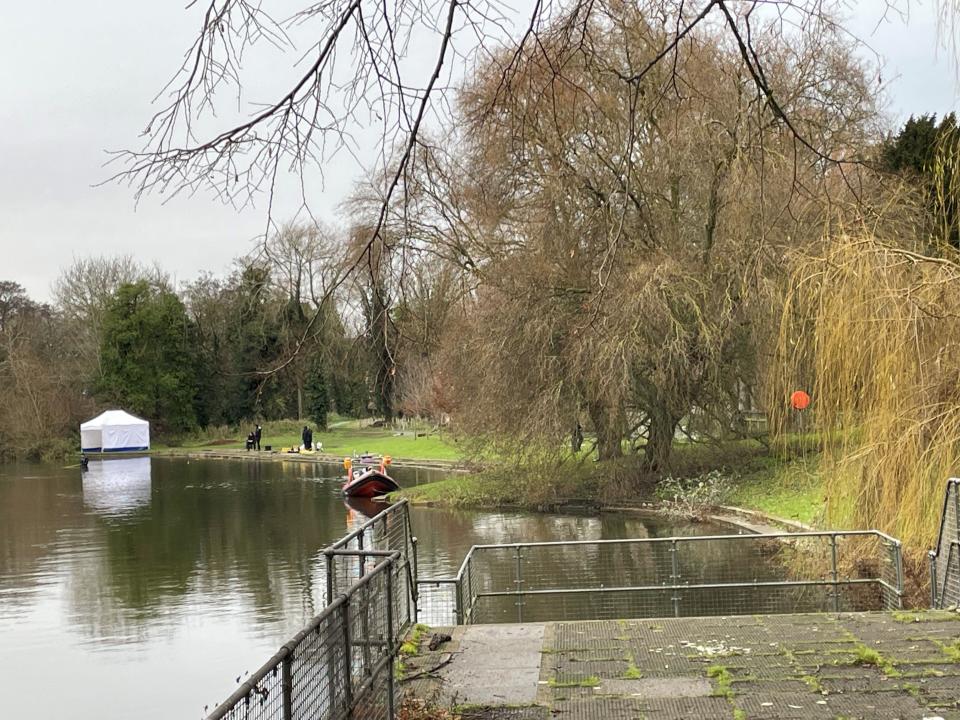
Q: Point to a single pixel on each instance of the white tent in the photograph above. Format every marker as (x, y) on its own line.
(114, 431)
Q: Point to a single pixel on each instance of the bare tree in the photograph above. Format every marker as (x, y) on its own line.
(82, 291)
(624, 239)
(356, 72)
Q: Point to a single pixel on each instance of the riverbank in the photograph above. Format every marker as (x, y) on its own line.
(784, 485)
(451, 466)
(789, 489)
(341, 439)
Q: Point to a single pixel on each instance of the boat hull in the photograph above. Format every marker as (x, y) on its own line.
(371, 483)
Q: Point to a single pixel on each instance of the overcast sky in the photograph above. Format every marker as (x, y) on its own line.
(78, 78)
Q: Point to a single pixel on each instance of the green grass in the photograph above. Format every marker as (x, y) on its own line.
(792, 489)
(588, 682)
(342, 439)
(869, 656)
(534, 486)
(465, 491)
(411, 646)
(787, 488)
(724, 680)
(951, 651)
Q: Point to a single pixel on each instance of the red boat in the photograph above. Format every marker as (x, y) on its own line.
(369, 480)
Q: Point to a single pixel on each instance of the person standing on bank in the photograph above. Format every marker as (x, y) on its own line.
(307, 437)
(257, 434)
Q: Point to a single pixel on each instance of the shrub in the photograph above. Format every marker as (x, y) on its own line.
(692, 496)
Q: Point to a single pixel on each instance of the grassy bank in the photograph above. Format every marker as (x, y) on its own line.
(343, 438)
(784, 483)
(792, 490)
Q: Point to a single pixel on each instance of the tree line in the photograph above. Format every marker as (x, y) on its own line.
(270, 340)
(596, 241)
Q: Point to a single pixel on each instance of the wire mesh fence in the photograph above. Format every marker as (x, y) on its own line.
(341, 664)
(388, 531)
(945, 560)
(668, 577)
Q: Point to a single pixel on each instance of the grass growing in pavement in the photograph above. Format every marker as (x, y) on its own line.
(951, 651)
(411, 646)
(589, 681)
(721, 674)
(869, 656)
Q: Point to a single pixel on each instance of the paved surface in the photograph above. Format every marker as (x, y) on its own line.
(857, 665)
(502, 668)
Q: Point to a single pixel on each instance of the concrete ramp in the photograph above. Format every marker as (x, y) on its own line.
(493, 665)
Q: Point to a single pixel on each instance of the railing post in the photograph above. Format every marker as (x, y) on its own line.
(519, 584)
(330, 570)
(458, 602)
(469, 575)
(956, 508)
(391, 643)
(834, 573)
(414, 588)
(360, 554)
(933, 578)
(674, 577)
(348, 659)
(286, 669)
(898, 552)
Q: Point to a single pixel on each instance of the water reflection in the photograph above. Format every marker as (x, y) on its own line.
(117, 486)
(162, 578)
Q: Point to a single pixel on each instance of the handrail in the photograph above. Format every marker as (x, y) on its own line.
(389, 558)
(888, 577)
(943, 512)
(342, 542)
(674, 538)
(939, 586)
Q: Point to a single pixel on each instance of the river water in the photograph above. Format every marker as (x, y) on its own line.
(144, 587)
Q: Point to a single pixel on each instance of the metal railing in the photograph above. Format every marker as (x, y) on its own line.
(340, 665)
(668, 577)
(389, 530)
(945, 560)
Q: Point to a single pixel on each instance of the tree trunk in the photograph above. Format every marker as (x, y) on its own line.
(663, 425)
(299, 399)
(608, 431)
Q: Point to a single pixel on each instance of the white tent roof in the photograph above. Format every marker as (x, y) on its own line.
(115, 431)
(112, 417)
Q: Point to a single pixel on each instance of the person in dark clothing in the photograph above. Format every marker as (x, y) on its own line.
(307, 437)
(251, 440)
(576, 440)
(257, 434)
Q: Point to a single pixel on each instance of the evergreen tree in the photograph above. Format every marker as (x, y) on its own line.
(915, 150)
(318, 395)
(149, 366)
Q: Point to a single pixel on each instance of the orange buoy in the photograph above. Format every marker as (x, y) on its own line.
(799, 400)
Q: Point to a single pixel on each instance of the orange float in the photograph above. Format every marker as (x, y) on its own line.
(799, 400)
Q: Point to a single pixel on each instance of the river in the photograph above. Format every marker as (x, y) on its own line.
(144, 587)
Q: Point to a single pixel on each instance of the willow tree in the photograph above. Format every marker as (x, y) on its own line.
(872, 325)
(624, 219)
